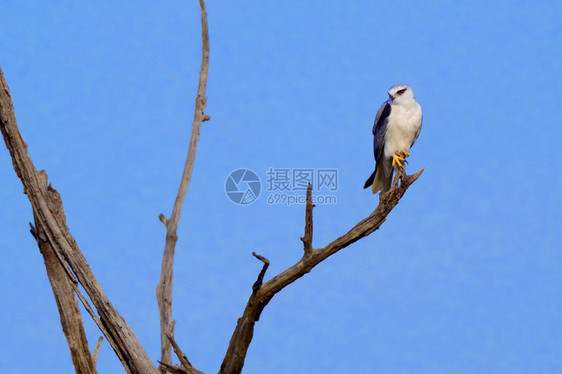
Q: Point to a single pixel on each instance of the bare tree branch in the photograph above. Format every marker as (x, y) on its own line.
(128, 348)
(184, 362)
(164, 288)
(174, 369)
(55, 204)
(307, 238)
(97, 350)
(398, 175)
(259, 281)
(242, 336)
(243, 333)
(67, 304)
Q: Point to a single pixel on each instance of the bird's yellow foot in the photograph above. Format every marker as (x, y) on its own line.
(404, 153)
(397, 159)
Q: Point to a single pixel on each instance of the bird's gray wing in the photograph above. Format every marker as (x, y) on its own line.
(379, 129)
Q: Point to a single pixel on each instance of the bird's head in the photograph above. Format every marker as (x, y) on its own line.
(401, 93)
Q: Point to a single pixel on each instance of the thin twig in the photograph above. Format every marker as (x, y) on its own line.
(181, 356)
(259, 281)
(184, 362)
(164, 288)
(307, 238)
(399, 173)
(97, 350)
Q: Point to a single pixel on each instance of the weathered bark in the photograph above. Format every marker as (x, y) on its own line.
(96, 351)
(260, 297)
(164, 288)
(185, 366)
(67, 304)
(117, 331)
(307, 238)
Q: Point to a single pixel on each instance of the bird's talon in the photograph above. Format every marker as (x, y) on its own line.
(397, 160)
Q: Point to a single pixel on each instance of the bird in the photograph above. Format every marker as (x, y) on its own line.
(397, 126)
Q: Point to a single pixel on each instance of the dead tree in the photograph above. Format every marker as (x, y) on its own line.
(67, 267)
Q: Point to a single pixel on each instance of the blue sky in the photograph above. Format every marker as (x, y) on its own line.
(471, 252)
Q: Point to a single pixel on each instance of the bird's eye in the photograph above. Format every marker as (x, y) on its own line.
(400, 92)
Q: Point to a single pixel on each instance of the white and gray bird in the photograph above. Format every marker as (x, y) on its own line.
(397, 126)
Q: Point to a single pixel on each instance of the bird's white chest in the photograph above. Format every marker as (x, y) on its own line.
(403, 126)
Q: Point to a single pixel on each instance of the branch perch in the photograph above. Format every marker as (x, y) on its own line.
(243, 333)
(164, 288)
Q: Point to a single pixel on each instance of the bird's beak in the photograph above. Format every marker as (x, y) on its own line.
(390, 96)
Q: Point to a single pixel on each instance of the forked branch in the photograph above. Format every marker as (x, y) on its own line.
(261, 275)
(49, 217)
(243, 333)
(185, 366)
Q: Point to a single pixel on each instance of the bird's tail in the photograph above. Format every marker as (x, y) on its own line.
(379, 180)
(370, 180)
